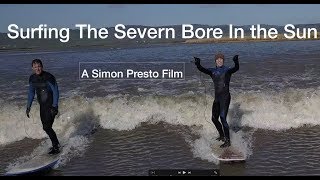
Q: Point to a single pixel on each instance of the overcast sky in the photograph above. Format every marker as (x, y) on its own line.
(104, 15)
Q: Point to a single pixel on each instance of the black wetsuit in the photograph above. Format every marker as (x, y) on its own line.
(46, 87)
(221, 78)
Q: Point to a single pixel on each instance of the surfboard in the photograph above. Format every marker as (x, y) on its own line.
(38, 164)
(229, 154)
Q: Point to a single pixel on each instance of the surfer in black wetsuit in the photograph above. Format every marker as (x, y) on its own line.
(45, 86)
(221, 77)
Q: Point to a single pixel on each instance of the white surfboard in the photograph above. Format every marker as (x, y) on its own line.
(37, 164)
(229, 154)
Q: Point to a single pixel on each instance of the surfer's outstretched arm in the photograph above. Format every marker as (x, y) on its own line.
(201, 68)
(236, 65)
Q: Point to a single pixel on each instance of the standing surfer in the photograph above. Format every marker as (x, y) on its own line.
(46, 87)
(221, 76)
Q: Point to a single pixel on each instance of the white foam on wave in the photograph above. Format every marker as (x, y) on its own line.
(279, 111)
(73, 127)
(79, 116)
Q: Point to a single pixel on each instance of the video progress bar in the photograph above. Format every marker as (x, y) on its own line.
(184, 172)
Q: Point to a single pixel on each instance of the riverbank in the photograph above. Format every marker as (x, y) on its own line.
(247, 38)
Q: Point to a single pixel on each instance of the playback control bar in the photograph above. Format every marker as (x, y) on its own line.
(184, 172)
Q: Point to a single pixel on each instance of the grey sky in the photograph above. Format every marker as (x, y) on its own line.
(104, 15)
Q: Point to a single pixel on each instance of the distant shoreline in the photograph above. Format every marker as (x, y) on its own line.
(75, 43)
(83, 47)
(280, 37)
(132, 45)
